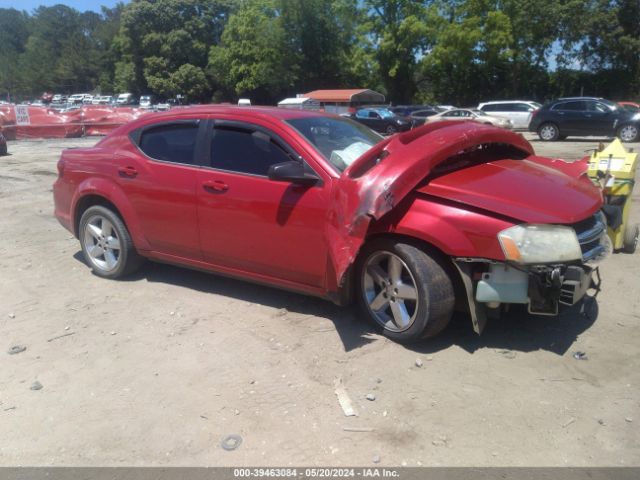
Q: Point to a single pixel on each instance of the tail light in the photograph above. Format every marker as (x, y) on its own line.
(533, 114)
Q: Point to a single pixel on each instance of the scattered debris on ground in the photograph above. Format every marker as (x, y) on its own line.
(343, 398)
(16, 349)
(231, 442)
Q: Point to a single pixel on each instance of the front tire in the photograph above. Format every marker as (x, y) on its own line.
(629, 133)
(403, 291)
(106, 244)
(390, 130)
(548, 132)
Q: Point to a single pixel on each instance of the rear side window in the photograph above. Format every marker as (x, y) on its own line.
(241, 150)
(571, 106)
(522, 107)
(499, 107)
(171, 142)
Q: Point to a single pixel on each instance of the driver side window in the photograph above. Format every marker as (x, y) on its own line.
(244, 150)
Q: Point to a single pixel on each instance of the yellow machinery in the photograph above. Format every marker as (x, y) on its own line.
(614, 169)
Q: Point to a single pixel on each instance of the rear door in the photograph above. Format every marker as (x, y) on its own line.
(159, 178)
(570, 117)
(249, 223)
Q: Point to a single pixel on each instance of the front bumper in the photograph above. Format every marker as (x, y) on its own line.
(542, 288)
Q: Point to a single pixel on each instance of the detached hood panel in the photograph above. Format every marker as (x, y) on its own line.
(523, 190)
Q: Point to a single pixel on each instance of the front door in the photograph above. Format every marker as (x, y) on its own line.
(249, 223)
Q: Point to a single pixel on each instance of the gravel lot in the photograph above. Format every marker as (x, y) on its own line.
(157, 369)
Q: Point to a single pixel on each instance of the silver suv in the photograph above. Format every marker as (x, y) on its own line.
(518, 111)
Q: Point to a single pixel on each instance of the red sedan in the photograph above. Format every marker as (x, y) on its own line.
(322, 205)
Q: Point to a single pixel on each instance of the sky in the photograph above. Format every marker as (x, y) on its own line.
(82, 5)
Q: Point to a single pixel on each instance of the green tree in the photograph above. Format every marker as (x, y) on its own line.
(252, 56)
(13, 38)
(322, 41)
(160, 38)
(400, 35)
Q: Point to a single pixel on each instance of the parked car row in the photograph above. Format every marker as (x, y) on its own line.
(556, 120)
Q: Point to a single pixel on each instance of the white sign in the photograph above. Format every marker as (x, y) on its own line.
(22, 115)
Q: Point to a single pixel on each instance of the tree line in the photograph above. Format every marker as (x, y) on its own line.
(446, 51)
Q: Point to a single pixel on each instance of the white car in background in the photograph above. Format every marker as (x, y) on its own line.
(471, 115)
(125, 99)
(76, 98)
(146, 102)
(518, 111)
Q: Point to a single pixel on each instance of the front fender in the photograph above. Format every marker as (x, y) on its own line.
(455, 230)
(112, 192)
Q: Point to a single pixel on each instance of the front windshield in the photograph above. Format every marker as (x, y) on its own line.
(384, 113)
(629, 108)
(340, 140)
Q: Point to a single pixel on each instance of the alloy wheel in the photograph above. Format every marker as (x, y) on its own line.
(102, 244)
(628, 133)
(390, 291)
(548, 132)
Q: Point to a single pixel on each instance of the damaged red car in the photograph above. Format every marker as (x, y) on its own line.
(445, 216)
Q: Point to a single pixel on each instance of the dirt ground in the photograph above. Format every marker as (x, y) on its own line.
(157, 369)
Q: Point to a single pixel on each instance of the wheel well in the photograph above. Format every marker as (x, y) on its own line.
(438, 255)
(89, 201)
(627, 124)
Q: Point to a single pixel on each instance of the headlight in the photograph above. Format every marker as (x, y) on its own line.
(540, 244)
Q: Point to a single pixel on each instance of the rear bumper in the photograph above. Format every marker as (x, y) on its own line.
(62, 204)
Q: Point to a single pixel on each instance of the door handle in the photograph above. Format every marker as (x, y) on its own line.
(127, 171)
(215, 186)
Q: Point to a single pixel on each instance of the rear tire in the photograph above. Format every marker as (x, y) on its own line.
(548, 132)
(631, 235)
(390, 130)
(403, 291)
(106, 244)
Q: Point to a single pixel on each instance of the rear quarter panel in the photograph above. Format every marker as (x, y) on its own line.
(92, 171)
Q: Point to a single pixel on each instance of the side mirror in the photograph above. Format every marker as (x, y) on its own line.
(292, 171)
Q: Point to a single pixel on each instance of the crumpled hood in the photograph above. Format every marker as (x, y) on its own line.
(377, 181)
(520, 189)
(381, 178)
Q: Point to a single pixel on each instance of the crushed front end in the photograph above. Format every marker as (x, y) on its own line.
(547, 266)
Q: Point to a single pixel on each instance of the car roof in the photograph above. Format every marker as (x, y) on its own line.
(260, 112)
(580, 98)
(507, 101)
